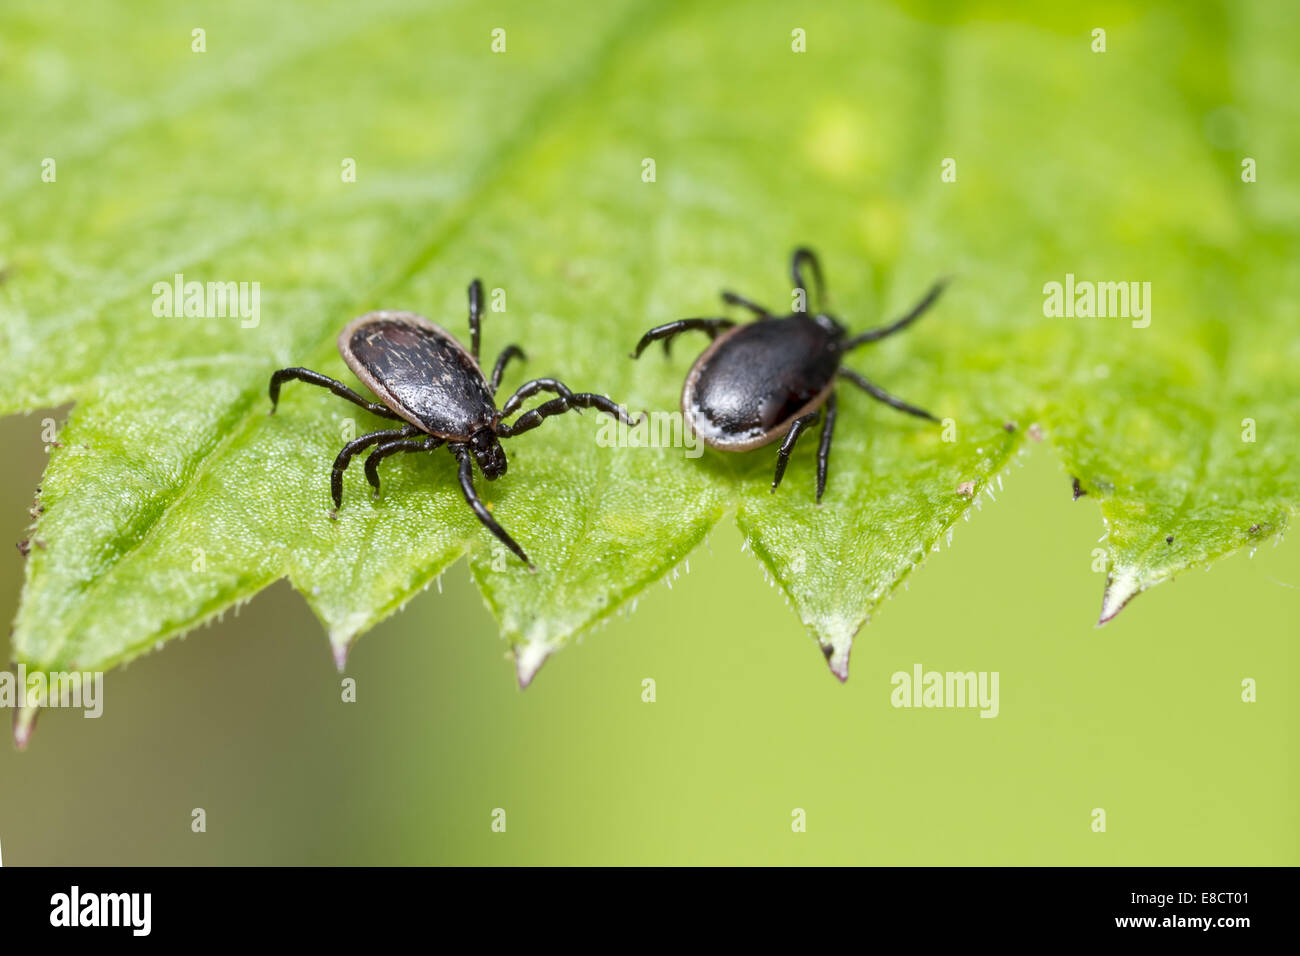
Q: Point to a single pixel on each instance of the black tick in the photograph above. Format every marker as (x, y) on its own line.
(424, 377)
(772, 377)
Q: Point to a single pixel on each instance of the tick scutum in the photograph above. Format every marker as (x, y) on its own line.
(421, 372)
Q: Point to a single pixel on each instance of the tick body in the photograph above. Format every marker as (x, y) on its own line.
(754, 380)
(428, 381)
(421, 372)
(775, 377)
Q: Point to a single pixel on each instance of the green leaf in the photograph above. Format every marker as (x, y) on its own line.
(173, 495)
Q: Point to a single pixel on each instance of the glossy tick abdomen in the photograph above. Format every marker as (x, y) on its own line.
(419, 371)
(756, 378)
(776, 376)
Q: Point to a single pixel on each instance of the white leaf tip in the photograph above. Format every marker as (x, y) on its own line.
(24, 723)
(529, 659)
(1121, 588)
(340, 650)
(836, 653)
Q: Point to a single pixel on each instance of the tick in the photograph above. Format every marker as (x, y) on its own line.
(775, 377)
(426, 379)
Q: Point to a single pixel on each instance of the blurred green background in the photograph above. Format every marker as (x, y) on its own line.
(1142, 717)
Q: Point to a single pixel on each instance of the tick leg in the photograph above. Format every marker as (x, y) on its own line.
(351, 448)
(731, 298)
(324, 381)
(558, 406)
(878, 393)
(787, 446)
(824, 448)
(875, 335)
(475, 315)
(667, 331)
(392, 448)
(529, 389)
(485, 516)
(509, 352)
(798, 259)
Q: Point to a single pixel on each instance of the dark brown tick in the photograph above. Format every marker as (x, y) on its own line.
(424, 377)
(772, 377)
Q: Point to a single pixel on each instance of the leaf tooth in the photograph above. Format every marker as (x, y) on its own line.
(529, 659)
(24, 723)
(1121, 587)
(836, 651)
(340, 646)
